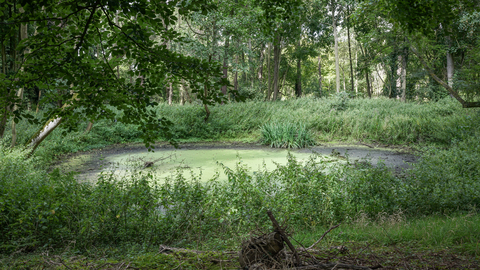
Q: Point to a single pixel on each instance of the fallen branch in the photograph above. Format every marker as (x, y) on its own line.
(323, 236)
(285, 238)
(150, 163)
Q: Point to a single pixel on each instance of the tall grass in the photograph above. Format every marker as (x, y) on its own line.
(382, 120)
(286, 135)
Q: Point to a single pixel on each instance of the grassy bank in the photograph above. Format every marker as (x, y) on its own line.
(380, 120)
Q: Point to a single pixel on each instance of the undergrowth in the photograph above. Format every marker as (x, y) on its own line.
(40, 209)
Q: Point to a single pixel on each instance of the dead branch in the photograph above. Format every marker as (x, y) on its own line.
(150, 163)
(323, 236)
(284, 236)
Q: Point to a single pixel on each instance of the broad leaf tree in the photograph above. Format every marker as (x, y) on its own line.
(76, 51)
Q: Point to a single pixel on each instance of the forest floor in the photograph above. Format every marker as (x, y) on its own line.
(369, 255)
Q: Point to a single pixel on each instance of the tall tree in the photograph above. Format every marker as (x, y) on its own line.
(60, 55)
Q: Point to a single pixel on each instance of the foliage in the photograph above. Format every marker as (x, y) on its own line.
(74, 56)
(286, 135)
(40, 209)
(381, 120)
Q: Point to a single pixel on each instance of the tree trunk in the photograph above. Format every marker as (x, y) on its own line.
(4, 59)
(277, 50)
(356, 65)
(170, 93)
(283, 83)
(3, 121)
(369, 90)
(23, 35)
(404, 74)
(298, 83)
(250, 63)
(40, 135)
(365, 68)
(225, 64)
(337, 66)
(260, 66)
(38, 101)
(235, 77)
(450, 69)
(349, 48)
(269, 84)
(244, 74)
(89, 127)
(320, 74)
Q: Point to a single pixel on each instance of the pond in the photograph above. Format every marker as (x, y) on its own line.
(205, 161)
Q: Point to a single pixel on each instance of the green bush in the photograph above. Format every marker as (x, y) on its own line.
(40, 209)
(286, 135)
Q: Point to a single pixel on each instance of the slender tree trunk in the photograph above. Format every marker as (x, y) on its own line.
(89, 127)
(356, 65)
(277, 51)
(349, 48)
(450, 69)
(170, 93)
(404, 74)
(365, 68)
(369, 89)
(4, 58)
(235, 77)
(298, 83)
(335, 36)
(269, 84)
(186, 91)
(3, 121)
(320, 74)
(38, 101)
(283, 82)
(250, 63)
(244, 73)
(23, 35)
(225, 64)
(44, 131)
(260, 66)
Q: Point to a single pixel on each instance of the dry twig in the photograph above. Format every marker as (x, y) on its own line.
(323, 236)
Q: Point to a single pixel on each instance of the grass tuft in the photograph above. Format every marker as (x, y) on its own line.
(286, 135)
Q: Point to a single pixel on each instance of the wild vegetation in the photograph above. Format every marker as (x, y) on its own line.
(48, 209)
(82, 75)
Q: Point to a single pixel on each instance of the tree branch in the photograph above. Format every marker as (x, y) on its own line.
(464, 103)
(86, 27)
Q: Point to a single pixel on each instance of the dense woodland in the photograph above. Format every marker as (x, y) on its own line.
(83, 75)
(80, 59)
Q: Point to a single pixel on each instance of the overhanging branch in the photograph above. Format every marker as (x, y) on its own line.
(464, 103)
